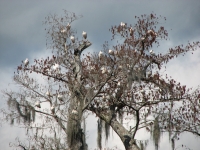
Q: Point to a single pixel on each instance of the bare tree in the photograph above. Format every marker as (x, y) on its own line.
(123, 81)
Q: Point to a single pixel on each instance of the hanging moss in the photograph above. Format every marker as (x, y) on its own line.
(12, 103)
(12, 121)
(27, 113)
(141, 146)
(120, 116)
(32, 113)
(84, 146)
(102, 126)
(107, 130)
(99, 133)
(156, 133)
(173, 143)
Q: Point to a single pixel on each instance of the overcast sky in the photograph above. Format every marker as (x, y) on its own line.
(22, 35)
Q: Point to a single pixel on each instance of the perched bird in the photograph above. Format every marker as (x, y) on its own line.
(150, 32)
(68, 26)
(75, 112)
(103, 70)
(152, 52)
(63, 31)
(118, 84)
(122, 24)
(142, 91)
(120, 67)
(56, 67)
(84, 35)
(108, 70)
(26, 62)
(37, 104)
(104, 98)
(131, 31)
(52, 109)
(72, 39)
(60, 97)
(149, 73)
(100, 54)
(111, 52)
(48, 93)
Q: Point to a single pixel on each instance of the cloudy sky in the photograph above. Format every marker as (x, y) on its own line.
(22, 35)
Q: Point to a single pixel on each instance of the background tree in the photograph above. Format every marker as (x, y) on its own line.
(125, 81)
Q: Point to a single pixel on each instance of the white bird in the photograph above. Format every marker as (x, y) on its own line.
(26, 62)
(142, 91)
(150, 32)
(111, 52)
(100, 54)
(122, 24)
(103, 70)
(48, 93)
(56, 67)
(63, 31)
(84, 34)
(131, 31)
(75, 112)
(72, 39)
(149, 73)
(52, 109)
(68, 26)
(142, 38)
(92, 68)
(118, 84)
(150, 118)
(37, 104)
(108, 70)
(104, 98)
(60, 97)
(151, 52)
(120, 67)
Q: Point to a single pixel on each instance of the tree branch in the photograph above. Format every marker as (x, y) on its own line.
(137, 123)
(89, 101)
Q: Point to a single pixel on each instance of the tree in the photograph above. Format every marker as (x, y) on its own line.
(125, 80)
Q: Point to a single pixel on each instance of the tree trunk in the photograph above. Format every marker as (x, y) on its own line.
(125, 136)
(76, 135)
